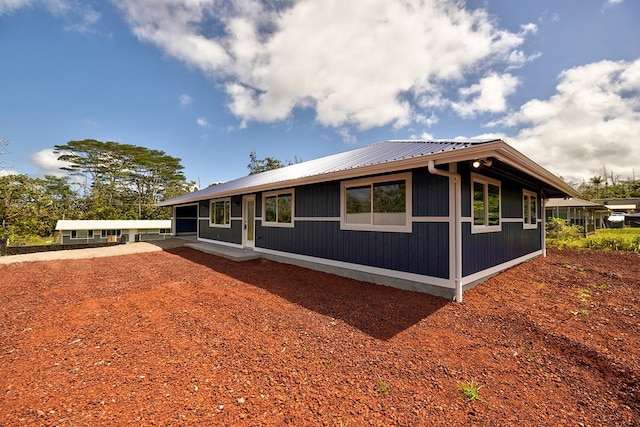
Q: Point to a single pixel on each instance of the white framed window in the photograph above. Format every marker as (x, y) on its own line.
(529, 209)
(220, 213)
(278, 208)
(486, 204)
(108, 233)
(82, 234)
(380, 203)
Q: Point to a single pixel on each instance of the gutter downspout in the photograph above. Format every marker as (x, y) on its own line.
(457, 197)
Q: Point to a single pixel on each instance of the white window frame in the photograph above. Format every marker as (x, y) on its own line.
(485, 228)
(277, 193)
(110, 232)
(88, 234)
(344, 185)
(227, 203)
(527, 221)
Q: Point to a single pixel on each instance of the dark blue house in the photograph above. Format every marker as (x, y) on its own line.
(431, 216)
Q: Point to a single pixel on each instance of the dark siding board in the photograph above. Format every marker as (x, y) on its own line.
(229, 235)
(430, 194)
(187, 211)
(423, 252)
(485, 250)
(236, 206)
(203, 209)
(511, 200)
(318, 200)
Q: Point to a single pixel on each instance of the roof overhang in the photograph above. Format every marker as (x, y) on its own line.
(497, 149)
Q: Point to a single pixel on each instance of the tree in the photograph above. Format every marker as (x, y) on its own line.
(31, 206)
(122, 181)
(256, 165)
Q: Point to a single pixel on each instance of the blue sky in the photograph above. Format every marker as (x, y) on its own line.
(209, 81)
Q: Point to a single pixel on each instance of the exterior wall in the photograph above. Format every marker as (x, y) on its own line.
(482, 251)
(317, 232)
(231, 234)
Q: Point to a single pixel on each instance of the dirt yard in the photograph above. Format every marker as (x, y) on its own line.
(182, 338)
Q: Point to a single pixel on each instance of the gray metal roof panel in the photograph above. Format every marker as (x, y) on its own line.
(375, 154)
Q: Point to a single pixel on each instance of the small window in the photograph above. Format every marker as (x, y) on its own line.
(108, 233)
(82, 234)
(485, 204)
(377, 204)
(165, 231)
(278, 209)
(530, 209)
(220, 213)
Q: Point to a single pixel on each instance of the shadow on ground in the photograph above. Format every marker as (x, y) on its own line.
(379, 311)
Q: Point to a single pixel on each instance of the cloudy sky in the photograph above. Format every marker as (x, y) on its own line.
(209, 81)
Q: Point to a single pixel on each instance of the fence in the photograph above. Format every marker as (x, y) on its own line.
(19, 250)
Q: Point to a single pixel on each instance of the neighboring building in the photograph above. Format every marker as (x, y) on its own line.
(96, 231)
(589, 215)
(630, 205)
(430, 216)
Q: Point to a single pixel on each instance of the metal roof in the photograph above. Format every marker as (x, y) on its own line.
(375, 158)
(86, 224)
(574, 203)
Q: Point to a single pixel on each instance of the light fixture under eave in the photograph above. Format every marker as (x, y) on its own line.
(481, 162)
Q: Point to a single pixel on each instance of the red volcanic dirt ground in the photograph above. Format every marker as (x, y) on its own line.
(184, 338)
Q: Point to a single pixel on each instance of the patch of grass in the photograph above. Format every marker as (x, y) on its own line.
(471, 389)
(604, 287)
(383, 387)
(583, 311)
(339, 423)
(584, 294)
(530, 355)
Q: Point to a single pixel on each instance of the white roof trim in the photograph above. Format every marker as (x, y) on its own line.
(117, 224)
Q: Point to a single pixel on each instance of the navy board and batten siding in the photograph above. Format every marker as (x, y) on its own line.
(482, 251)
(232, 234)
(317, 233)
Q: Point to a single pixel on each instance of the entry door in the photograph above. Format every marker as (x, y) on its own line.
(248, 221)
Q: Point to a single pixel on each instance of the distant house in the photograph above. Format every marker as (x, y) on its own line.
(431, 216)
(629, 205)
(575, 211)
(96, 231)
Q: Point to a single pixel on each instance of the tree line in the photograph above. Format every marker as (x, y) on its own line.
(105, 180)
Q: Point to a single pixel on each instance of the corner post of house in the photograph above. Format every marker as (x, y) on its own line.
(456, 206)
(544, 227)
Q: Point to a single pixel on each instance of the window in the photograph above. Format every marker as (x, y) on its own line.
(82, 234)
(485, 204)
(220, 213)
(107, 233)
(278, 209)
(165, 231)
(530, 209)
(377, 203)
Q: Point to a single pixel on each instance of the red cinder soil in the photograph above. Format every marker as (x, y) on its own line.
(183, 338)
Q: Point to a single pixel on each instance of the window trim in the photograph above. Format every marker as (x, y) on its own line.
(371, 181)
(106, 233)
(88, 236)
(485, 181)
(227, 203)
(533, 222)
(277, 193)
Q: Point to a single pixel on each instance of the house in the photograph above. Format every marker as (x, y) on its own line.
(97, 231)
(431, 216)
(575, 211)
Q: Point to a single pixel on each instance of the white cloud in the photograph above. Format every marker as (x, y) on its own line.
(202, 122)
(592, 121)
(185, 100)
(8, 6)
(488, 96)
(47, 161)
(361, 64)
(6, 172)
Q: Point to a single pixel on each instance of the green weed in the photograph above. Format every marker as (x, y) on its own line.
(471, 389)
(582, 311)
